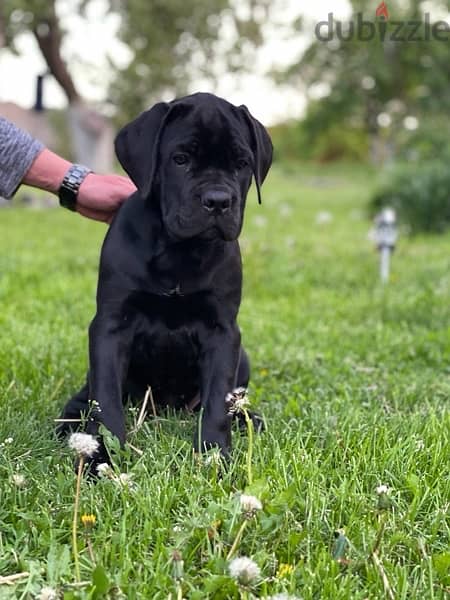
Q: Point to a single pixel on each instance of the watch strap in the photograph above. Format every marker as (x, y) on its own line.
(70, 185)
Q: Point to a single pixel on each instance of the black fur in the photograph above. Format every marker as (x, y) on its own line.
(170, 278)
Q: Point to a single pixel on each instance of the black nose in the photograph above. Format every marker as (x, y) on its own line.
(216, 201)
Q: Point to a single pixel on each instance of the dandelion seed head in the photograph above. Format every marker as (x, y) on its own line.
(18, 480)
(244, 569)
(48, 593)
(126, 480)
(84, 444)
(104, 470)
(237, 400)
(250, 504)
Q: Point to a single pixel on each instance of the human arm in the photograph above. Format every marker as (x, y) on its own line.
(99, 196)
(25, 160)
(18, 150)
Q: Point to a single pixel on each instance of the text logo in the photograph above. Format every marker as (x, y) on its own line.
(383, 29)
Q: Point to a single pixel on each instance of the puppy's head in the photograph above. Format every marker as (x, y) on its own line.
(196, 157)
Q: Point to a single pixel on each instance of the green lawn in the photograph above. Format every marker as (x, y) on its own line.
(353, 381)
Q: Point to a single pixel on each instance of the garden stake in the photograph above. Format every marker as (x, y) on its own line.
(385, 239)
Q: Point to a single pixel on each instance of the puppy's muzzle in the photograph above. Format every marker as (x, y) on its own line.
(217, 201)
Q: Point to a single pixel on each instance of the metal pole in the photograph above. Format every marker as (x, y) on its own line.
(385, 257)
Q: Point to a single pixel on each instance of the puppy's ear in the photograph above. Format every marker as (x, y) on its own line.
(262, 148)
(137, 146)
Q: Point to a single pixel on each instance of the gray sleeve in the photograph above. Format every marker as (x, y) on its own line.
(18, 150)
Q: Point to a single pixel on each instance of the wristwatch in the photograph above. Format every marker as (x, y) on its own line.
(70, 185)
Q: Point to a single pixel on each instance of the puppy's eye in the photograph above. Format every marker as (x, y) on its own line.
(242, 163)
(181, 159)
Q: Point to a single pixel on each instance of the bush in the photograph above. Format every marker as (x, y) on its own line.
(296, 140)
(420, 194)
(286, 138)
(426, 142)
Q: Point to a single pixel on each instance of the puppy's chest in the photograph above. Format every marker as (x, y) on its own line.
(174, 312)
(178, 273)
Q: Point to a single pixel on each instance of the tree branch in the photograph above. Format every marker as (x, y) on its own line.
(48, 37)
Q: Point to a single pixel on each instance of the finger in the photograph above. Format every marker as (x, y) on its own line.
(96, 215)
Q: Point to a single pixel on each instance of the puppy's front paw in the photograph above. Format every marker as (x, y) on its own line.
(214, 436)
(256, 419)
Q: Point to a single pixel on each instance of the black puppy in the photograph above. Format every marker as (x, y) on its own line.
(170, 278)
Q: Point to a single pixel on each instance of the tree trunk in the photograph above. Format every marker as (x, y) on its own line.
(88, 128)
(48, 37)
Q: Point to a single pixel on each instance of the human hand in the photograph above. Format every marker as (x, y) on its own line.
(100, 196)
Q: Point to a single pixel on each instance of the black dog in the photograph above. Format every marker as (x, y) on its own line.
(170, 276)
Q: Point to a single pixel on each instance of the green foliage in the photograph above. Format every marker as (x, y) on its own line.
(174, 42)
(171, 43)
(20, 16)
(286, 138)
(420, 194)
(358, 80)
(352, 379)
(293, 140)
(431, 141)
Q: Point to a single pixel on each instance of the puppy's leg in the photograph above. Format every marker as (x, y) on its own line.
(243, 371)
(74, 412)
(109, 347)
(218, 367)
(242, 379)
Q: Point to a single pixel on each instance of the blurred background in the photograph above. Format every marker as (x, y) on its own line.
(73, 71)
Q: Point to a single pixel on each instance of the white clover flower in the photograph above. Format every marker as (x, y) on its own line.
(18, 480)
(250, 504)
(420, 444)
(383, 489)
(104, 470)
(48, 593)
(237, 400)
(84, 444)
(9, 440)
(244, 569)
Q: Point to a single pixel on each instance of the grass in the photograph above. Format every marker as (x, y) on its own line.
(353, 381)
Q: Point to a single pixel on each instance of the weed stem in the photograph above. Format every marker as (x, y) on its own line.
(237, 539)
(76, 559)
(249, 424)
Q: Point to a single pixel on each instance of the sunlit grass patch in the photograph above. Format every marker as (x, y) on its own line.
(353, 381)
